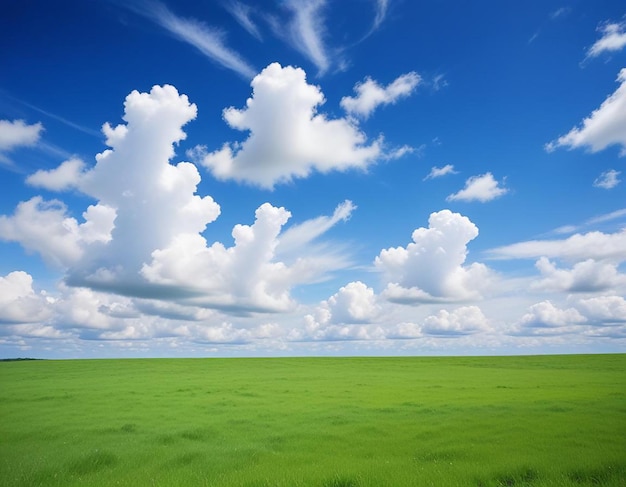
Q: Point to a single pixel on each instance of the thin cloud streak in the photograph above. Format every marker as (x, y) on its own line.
(241, 13)
(307, 31)
(207, 40)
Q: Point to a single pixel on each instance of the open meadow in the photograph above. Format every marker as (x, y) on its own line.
(327, 422)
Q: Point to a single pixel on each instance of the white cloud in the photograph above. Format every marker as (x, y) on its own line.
(18, 301)
(207, 40)
(437, 172)
(249, 276)
(481, 188)
(344, 316)
(605, 126)
(15, 134)
(306, 31)
(244, 276)
(353, 303)
(66, 176)
(243, 14)
(592, 245)
(586, 276)
(155, 201)
(297, 236)
(45, 227)
(288, 138)
(143, 237)
(604, 309)
(431, 267)
(18, 133)
(462, 321)
(438, 82)
(371, 95)
(608, 179)
(560, 12)
(381, 12)
(613, 39)
(546, 315)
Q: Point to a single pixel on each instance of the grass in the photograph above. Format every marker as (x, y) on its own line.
(327, 422)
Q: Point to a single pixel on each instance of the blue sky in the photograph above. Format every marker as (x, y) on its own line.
(364, 177)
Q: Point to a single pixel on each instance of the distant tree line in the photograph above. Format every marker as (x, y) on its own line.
(18, 359)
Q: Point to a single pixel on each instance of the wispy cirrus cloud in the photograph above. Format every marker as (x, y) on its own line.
(208, 40)
(307, 30)
(243, 15)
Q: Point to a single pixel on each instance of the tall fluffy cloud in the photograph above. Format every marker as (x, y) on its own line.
(431, 267)
(288, 138)
(243, 276)
(154, 200)
(605, 126)
(370, 94)
(249, 276)
(479, 188)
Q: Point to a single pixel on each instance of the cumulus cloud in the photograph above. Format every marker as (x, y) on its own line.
(437, 172)
(591, 245)
(586, 276)
(613, 39)
(18, 133)
(353, 303)
(481, 188)
(18, 301)
(143, 238)
(371, 95)
(247, 277)
(608, 179)
(288, 138)
(154, 200)
(462, 321)
(209, 41)
(66, 176)
(546, 315)
(431, 267)
(46, 228)
(243, 276)
(605, 126)
(346, 315)
(604, 309)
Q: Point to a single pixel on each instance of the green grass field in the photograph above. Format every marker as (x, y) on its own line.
(328, 422)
